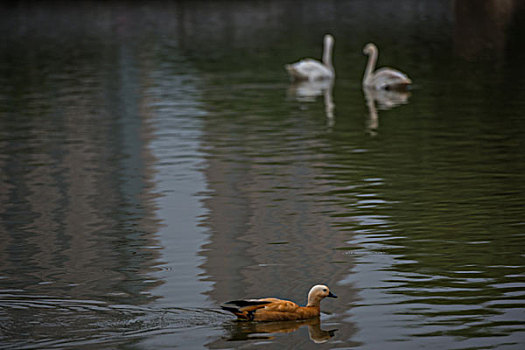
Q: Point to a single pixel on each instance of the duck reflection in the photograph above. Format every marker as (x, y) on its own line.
(382, 100)
(242, 330)
(308, 91)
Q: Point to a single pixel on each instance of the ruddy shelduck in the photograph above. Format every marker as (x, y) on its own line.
(273, 309)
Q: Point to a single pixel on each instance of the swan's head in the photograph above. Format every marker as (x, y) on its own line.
(328, 40)
(369, 48)
(318, 293)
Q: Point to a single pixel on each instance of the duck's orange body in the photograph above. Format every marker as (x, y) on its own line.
(273, 309)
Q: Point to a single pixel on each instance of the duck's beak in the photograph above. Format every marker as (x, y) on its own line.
(331, 295)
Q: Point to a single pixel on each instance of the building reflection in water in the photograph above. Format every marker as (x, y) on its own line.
(77, 216)
(267, 237)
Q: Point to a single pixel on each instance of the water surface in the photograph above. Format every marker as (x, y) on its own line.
(154, 165)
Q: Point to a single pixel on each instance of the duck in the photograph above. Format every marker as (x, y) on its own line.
(273, 309)
(312, 70)
(383, 78)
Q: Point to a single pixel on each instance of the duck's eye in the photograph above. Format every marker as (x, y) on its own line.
(325, 290)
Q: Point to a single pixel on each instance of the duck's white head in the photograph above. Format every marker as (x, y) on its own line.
(318, 293)
(369, 48)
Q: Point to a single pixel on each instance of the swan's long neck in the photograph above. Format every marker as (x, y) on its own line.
(370, 66)
(327, 53)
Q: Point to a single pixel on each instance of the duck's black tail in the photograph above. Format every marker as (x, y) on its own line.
(244, 309)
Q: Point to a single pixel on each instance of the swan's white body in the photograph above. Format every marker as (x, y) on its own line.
(384, 78)
(309, 69)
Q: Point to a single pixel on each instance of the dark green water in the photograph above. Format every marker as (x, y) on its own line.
(155, 162)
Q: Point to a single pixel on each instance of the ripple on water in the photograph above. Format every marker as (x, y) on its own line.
(36, 321)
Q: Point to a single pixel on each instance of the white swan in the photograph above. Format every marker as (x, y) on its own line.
(384, 78)
(309, 69)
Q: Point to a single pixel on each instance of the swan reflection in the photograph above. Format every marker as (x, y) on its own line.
(308, 91)
(382, 100)
(266, 330)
